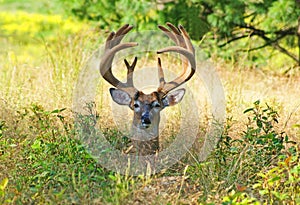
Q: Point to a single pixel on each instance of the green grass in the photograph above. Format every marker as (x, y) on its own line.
(42, 161)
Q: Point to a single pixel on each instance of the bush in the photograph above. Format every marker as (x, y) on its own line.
(279, 184)
(235, 162)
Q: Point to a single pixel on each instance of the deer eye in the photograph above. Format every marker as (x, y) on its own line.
(155, 104)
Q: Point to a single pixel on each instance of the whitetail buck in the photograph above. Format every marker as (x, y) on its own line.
(147, 107)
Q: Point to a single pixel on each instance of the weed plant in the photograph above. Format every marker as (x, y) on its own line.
(261, 155)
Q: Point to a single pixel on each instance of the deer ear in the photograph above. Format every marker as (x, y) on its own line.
(173, 98)
(119, 96)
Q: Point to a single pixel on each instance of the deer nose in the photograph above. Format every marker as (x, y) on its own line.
(146, 119)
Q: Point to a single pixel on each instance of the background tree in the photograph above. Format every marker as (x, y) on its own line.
(272, 23)
(112, 13)
(247, 25)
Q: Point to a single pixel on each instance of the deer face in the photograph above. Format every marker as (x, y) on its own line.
(147, 107)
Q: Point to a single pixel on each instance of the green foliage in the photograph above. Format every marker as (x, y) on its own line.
(261, 130)
(188, 14)
(123, 187)
(236, 162)
(283, 13)
(259, 144)
(281, 183)
(113, 13)
(51, 166)
(253, 24)
(3, 185)
(239, 198)
(268, 17)
(276, 185)
(225, 15)
(45, 163)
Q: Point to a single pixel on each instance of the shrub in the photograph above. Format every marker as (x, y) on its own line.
(236, 162)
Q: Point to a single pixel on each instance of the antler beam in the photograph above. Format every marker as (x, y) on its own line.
(112, 46)
(183, 47)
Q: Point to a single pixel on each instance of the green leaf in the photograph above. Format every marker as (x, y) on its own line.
(255, 186)
(276, 178)
(36, 144)
(257, 102)
(58, 110)
(3, 184)
(248, 110)
(259, 124)
(263, 192)
(262, 175)
(296, 126)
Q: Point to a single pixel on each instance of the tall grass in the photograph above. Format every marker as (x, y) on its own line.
(41, 63)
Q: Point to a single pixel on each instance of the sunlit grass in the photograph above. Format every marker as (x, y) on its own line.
(42, 57)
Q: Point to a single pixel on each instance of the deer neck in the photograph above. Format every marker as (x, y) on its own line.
(146, 141)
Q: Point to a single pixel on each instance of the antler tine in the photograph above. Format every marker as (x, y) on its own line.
(161, 76)
(187, 39)
(168, 33)
(183, 47)
(180, 40)
(112, 46)
(130, 69)
(120, 34)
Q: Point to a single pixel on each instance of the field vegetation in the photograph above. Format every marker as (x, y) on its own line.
(45, 45)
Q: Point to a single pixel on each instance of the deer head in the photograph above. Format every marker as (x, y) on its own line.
(147, 107)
